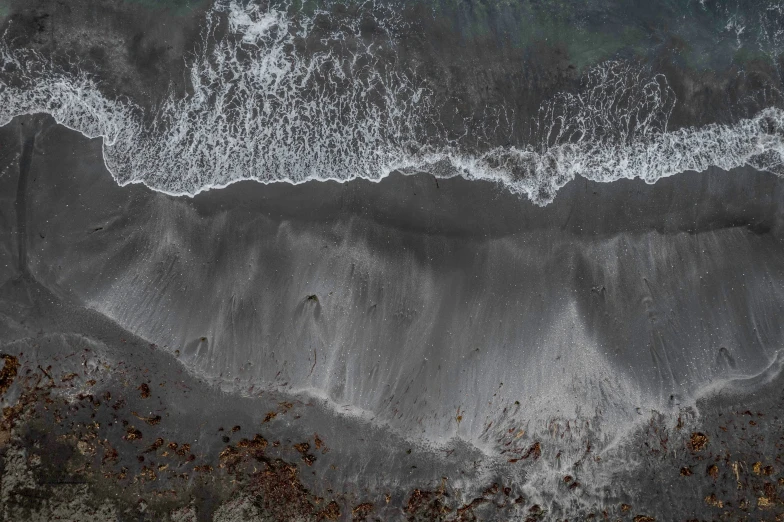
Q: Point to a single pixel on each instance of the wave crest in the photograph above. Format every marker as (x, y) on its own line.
(273, 99)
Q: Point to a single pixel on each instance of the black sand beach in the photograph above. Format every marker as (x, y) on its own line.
(393, 261)
(687, 347)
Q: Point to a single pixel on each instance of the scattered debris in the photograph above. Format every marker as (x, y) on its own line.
(152, 421)
(132, 434)
(8, 372)
(361, 511)
(144, 390)
(712, 500)
(155, 446)
(698, 441)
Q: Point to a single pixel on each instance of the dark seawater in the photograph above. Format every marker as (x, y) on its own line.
(509, 260)
(296, 93)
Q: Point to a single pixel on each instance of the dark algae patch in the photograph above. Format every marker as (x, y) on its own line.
(8, 372)
(162, 474)
(144, 390)
(698, 441)
(167, 472)
(361, 511)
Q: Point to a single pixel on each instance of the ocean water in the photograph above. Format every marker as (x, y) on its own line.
(275, 97)
(477, 226)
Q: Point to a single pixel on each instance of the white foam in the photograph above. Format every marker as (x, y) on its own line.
(262, 110)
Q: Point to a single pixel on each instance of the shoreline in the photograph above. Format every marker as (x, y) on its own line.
(233, 250)
(450, 265)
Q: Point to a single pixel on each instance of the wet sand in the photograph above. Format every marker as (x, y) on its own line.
(420, 329)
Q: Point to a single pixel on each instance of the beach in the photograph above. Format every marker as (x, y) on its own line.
(391, 261)
(444, 317)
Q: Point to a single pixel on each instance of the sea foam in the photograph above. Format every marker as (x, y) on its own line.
(262, 108)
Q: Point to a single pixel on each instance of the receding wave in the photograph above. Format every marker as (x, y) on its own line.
(272, 100)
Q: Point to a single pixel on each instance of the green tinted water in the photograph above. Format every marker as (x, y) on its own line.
(174, 6)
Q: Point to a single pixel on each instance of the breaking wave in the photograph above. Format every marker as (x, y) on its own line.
(273, 99)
